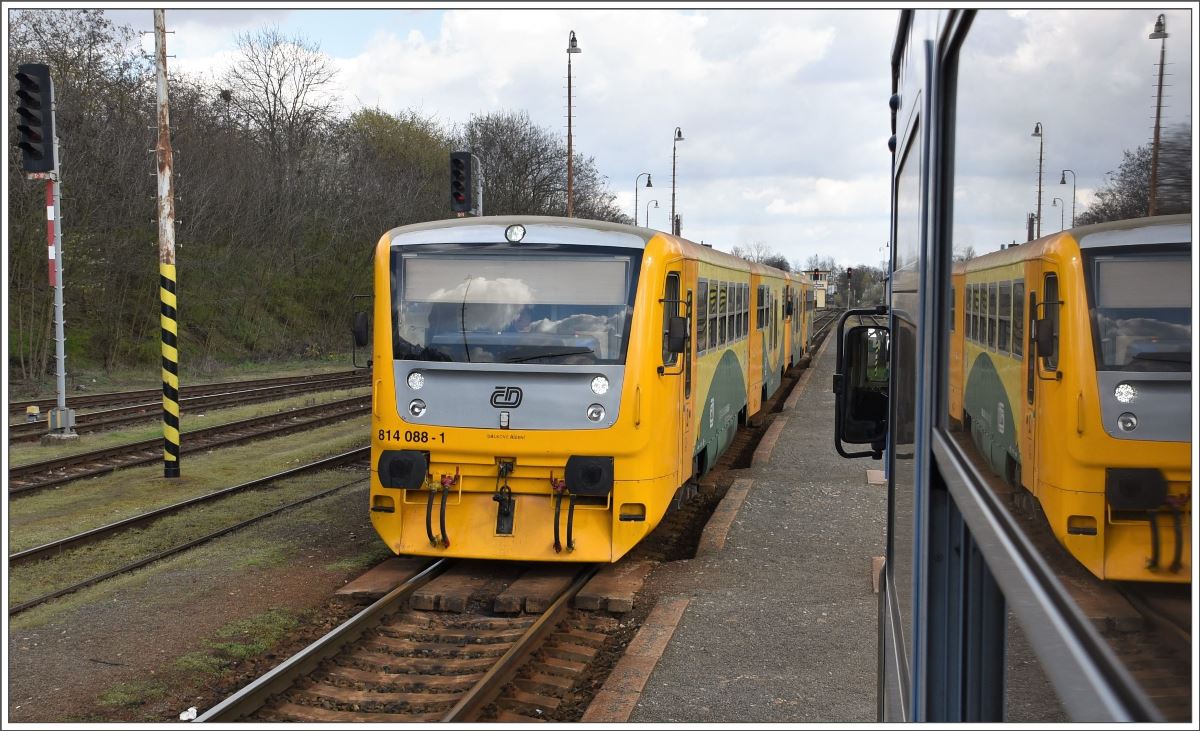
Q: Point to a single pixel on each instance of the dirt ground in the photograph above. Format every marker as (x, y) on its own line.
(186, 631)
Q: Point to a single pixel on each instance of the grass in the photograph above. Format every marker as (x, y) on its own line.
(164, 579)
(84, 504)
(131, 695)
(28, 452)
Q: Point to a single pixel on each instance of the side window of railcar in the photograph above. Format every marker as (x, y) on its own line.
(992, 315)
(702, 316)
(745, 290)
(1004, 316)
(712, 314)
(670, 309)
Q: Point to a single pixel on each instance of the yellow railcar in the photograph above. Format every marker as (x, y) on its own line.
(1071, 372)
(542, 387)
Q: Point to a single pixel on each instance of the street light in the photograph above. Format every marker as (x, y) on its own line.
(648, 185)
(1063, 181)
(1037, 132)
(655, 202)
(1160, 33)
(1055, 203)
(572, 47)
(677, 140)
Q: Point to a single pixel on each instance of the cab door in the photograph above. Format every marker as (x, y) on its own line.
(677, 367)
(1042, 369)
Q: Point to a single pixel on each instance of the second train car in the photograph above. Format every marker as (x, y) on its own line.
(542, 387)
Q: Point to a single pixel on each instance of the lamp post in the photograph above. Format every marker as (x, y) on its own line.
(1061, 211)
(635, 196)
(1063, 181)
(1160, 32)
(1037, 132)
(572, 47)
(677, 140)
(655, 202)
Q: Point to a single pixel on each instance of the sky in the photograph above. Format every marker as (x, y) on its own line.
(783, 109)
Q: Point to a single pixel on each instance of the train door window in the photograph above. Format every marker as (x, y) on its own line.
(1018, 317)
(670, 309)
(758, 308)
(702, 316)
(1050, 310)
(745, 310)
(969, 318)
(1004, 317)
(991, 310)
(951, 308)
(723, 304)
(712, 314)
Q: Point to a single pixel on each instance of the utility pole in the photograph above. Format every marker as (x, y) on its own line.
(40, 161)
(1160, 32)
(167, 289)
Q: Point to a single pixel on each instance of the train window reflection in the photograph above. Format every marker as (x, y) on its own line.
(1077, 340)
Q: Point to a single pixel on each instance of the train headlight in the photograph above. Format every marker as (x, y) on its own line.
(595, 412)
(416, 407)
(599, 385)
(1125, 393)
(416, 380)
(1127, 422)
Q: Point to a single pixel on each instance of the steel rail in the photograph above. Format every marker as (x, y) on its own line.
(95, 534)
(283, 676)
(99, 420)
(96, 400)
(494, 680)
(223, 434)
(16, 609)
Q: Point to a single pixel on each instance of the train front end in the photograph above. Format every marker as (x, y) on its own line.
(1132, 405)
(508, 422)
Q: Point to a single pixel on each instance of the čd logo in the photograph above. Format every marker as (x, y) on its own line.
(506, 397)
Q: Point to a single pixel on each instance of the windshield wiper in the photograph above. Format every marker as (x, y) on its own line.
(1177, 356)
(552, 354)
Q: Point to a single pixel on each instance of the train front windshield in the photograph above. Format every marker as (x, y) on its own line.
(1142, 311)
(566, 310)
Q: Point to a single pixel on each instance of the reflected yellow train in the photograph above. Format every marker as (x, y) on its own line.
(543, 387)
(1070, 368)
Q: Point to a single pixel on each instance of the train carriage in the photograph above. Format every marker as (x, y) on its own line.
(544, 386)
(1094, 420)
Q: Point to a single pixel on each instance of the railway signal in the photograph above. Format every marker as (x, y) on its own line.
(466, 185)
(35, 118)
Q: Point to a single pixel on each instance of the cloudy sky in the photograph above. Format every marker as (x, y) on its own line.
(784, 110)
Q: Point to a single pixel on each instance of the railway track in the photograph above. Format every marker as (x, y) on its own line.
(398, 662)
(39, 475)
(16, 409)
(108, 531)
(110, 418)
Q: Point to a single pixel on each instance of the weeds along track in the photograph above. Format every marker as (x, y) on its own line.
(400, 660)
(16, 409)
(28, 478)
(144, 409)
(356, 456)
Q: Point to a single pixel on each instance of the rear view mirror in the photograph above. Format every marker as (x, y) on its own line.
(860, 385)
(359, 328)
(1044, 337)
(677, 331)
(789, 309)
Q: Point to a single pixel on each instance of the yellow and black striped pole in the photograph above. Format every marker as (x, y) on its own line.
(167, 289)
(170, 369)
